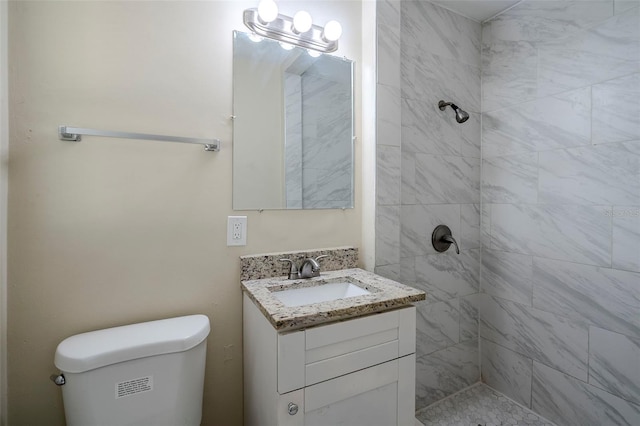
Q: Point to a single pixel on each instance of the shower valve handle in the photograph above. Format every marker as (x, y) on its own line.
(441, 239)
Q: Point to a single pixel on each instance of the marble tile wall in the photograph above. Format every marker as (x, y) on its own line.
(313, 180)
(388, 140)
(293, 140)
(326, 179)
(551, 233)
(428, 173)
(559, 309)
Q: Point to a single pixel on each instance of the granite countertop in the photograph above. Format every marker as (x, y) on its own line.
(385, 294)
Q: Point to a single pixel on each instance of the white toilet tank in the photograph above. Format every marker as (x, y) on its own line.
(150, 373)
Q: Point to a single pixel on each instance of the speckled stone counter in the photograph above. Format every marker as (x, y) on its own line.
(385, 294)
(257, 266)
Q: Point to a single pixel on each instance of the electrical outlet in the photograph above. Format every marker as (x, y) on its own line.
(237, 231)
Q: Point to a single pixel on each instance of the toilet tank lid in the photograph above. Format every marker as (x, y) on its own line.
(95, 349)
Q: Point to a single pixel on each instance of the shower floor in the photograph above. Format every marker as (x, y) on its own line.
(479, 405)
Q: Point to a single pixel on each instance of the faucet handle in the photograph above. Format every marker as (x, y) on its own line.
(322, 256)
(293, 272)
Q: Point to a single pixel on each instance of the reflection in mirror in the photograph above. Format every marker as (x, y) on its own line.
(293, 127)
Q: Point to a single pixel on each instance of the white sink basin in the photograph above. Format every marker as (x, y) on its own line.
(321, 293)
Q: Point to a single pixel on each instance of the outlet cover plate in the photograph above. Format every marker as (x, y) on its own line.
(236, 231)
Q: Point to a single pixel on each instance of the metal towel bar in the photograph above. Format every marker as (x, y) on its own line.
(73, 134)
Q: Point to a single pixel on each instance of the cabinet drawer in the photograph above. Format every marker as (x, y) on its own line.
(311, 356)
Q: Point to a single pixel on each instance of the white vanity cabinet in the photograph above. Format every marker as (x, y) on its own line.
(353, 372)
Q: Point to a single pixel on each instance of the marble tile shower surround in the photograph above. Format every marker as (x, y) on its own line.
(571, 402)
(268, 265)
(613, 363)
(603, 52)
(539, 21)
(607, 174)
(428, 173)
(609, 124)
(557, 231)
(602, 297)
(560, 270)
(428, 76)
(542, 48)
(507, 275)
(388, 236)
(448, 275)
(446, 371)
(556, 213)
(506, 371)
(425, 132)
(542, 336)
(560, 121)
(434, 29)
(625, 252)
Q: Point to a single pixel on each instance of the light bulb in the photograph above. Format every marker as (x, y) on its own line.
(302, 22)
(313, 53)
(267, 11)
(255, 38)
(332, 31)
(286, 46)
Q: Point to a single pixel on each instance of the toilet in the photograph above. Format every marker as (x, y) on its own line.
(150, 373)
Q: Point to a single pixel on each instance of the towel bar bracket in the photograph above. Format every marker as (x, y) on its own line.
(64, 136)
(215, 146)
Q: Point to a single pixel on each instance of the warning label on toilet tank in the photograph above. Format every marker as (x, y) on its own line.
(132, 387)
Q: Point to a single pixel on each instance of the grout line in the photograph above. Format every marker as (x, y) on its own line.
(502, 11)
(611, 224)
(531, 385)
(474, 385)
(589, 354)
(591, 116)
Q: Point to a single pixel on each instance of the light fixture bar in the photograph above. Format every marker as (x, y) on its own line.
(282, 29)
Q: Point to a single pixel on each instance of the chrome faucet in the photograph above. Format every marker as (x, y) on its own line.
(309, 268)
(293, 272)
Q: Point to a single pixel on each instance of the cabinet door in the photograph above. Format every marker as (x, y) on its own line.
(371, 397)
(383, 395)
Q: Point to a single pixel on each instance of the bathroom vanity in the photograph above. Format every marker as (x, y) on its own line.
(347, 359)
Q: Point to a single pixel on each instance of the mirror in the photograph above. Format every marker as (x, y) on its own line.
(292, 127)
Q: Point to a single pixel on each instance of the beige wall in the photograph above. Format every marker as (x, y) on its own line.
(106, 231)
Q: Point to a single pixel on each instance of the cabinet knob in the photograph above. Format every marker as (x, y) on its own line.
(293, 409)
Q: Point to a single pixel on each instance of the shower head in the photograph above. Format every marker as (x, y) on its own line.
(461, 115)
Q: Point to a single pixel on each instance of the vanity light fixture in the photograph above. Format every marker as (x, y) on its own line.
(332, 31)
(267, 11)
(299, 30)
(302, 22)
